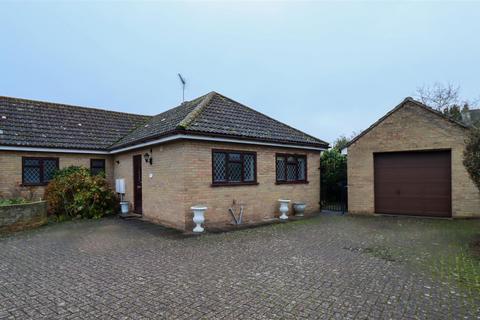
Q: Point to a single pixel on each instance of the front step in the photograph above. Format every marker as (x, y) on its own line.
(131, 216)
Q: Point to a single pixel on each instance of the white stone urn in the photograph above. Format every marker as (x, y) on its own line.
(283, 208)
(198, 217)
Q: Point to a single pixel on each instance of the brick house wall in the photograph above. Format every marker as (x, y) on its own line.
(410, 128)
(11, 170)
(163, 187)
(181, 176)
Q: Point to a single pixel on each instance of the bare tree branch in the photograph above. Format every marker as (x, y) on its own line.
(440, 96)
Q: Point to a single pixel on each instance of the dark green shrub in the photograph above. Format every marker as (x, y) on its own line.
(471, 156)
(74, 192)
(333, 174)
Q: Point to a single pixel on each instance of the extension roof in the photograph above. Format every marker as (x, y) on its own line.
(30, 123)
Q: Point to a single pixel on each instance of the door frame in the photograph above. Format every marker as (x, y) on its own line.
(137, 193)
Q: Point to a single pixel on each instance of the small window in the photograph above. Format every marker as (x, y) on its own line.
(97, 166)
(291, 168)
(234, 167)
(38, 171)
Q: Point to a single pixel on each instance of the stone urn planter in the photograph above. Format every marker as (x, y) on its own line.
(198, 218)
(299, 208)
(283, 208)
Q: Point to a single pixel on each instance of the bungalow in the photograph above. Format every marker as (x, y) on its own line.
(410, 162)
(212, 151)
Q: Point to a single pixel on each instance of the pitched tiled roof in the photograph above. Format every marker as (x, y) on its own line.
(42, 124)
(405, 101)
(30, 123)
(217, 115)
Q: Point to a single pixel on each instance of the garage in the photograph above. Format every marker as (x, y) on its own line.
(413, 183)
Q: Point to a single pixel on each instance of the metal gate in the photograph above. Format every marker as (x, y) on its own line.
(334, 197)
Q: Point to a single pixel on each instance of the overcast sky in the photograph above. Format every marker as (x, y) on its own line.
(325, 68)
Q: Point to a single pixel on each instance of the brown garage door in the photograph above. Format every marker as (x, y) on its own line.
(413, 183)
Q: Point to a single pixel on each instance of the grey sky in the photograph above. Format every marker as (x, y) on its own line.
(325, 68)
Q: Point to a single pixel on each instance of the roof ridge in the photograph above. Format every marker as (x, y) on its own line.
(190, 117)
(49, 103)
(258, 112)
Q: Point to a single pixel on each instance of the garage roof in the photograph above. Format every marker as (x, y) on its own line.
(405, 101)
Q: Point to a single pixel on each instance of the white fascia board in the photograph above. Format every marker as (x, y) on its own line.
(345, 151)
(214, 139)
(53, 150)
(159, 141)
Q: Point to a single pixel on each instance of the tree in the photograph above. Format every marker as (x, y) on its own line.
(341, 143)
(471, 155)
(333, 168)
(444, 98)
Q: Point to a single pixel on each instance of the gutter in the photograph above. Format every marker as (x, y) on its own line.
(160, 141)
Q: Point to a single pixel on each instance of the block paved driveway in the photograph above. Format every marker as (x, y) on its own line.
(115, 269)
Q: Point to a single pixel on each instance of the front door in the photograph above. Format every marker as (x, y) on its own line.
(137, 184)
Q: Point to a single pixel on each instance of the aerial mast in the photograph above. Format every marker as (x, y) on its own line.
(182, 80)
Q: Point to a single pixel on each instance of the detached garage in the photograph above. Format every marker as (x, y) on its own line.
(410, 162)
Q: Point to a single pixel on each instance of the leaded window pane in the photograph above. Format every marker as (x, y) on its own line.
(31, 175)
(292, 172)
(281, 169)
(219, 167)
(97, 166)
(249, 167)
(235, 172)
(31, 162)
(49, 168)
(301, 168)
(234, 157)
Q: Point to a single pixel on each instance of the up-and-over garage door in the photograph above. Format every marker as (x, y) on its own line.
(413, 183)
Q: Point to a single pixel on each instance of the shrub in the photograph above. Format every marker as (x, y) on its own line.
(471, 156)
(74, 192)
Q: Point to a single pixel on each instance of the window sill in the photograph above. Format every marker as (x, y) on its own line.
(236, 184)
(33, 185)
(291, 182)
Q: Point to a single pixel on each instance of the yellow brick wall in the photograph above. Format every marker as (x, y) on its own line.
(11, 170)
(163, 186)
(410, 128)
(181, 176)
(260, 200)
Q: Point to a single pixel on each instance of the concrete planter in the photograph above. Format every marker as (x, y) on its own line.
(299, 208)
(283, 209)
(198, 218)
(23, 216)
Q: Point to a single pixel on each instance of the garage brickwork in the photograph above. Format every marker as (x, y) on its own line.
(180, 176)
(11, 171)
(410, 128)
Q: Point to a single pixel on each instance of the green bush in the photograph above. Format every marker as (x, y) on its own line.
(74, 192)
(471, 156)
